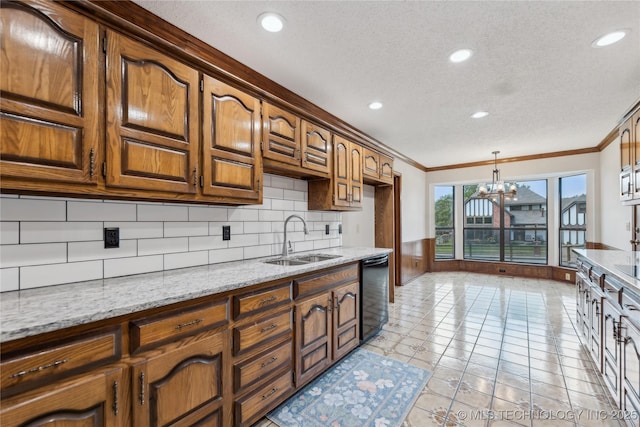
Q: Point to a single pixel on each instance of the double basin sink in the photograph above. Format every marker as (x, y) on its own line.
(301, 259)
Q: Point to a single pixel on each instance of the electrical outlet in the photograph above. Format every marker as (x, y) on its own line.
(112, 237)
(326, 229)
(567, 276)
(226, 232)
(502, 270)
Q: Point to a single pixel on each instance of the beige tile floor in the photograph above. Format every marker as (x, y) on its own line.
(503, 351)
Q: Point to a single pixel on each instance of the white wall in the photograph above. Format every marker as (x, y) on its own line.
(49, 241)
(550, 169)
(415, 201)
(616, 219)
(358, 227)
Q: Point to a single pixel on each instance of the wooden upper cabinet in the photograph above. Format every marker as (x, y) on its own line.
(355, 178)
(635, 137)
(341, 171)
(371, 164)
(48, 93)
(152, 119)
(386, 169)
(280, 135)
(232, 164)
(316, 148)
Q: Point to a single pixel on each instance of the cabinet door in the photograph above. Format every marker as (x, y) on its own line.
(595, 326)
(182, 385)
(371, 164)
(635, 137)
(280, 135)
(232, 164)
(152, 119)
(630, 374)
(355, 179)
(611, 348)
(313, 337)
(346, 334)
(386, 169)
(341, 174)
(626, 160)
(316, 148)
(96, 399)
(49, 93)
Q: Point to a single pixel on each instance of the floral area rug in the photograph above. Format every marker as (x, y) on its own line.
(364, 389)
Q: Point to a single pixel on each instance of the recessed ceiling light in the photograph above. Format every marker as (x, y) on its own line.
(271, 22)
(479, 114)
(609, 39)
(375, 105)
(460, 55)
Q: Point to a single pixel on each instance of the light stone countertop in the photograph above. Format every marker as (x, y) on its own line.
(623, 265)
(35, 311)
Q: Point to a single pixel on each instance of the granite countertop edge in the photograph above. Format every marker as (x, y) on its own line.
(35, 311)
(610, 262)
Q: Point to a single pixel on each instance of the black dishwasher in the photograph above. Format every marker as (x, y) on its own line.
(374, 291)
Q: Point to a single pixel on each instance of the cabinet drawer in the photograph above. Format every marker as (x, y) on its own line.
(597, 278)
(171, 326)
(262, 300)
(317, 282)
(262, 400)
(61, 360)
(583, 268)
(258, 368)
(631, 306)
(255, 334)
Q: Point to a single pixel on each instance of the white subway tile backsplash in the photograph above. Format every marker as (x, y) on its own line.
(136, 265)
(239, 214)
(138, 230)
(257, 251)
(282, 205)
(225, 255)
(268, 215)
(12, 209)
(175, 229)
(282, 182)
(273, 193)
(162, 246)
(185, 259)
(85, 251)
(207, 243)
(243, 240)
(56, 274)
(9, 233)
(45, 232)
(257, 227)
(9, 279)
(163, 213)
(35, 254)
(207, 213)
(55, 240)
(100, 211)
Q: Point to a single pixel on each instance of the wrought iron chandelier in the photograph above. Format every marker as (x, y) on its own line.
(497, 187)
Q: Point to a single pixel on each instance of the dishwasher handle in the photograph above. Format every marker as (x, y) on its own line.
(372, 262)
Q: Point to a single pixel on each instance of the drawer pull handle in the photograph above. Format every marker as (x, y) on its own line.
(40, 368)
(115, 398)
(267, 300)
(269, 362)
(141, 395)
(268, 328)
(631, 307)
(185, 325)
(273, 390)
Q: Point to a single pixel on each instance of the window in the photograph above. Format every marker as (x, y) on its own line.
(503, 229)
(445, 235)
(573, 217)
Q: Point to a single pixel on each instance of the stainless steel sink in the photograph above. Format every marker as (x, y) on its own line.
(316, 257)
(302, 259)
(286, 262)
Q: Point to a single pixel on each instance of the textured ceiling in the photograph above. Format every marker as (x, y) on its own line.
(533, 68)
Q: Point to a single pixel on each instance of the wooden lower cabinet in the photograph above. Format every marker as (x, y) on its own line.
(94, 399)
(327, 328)
(183, 384)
